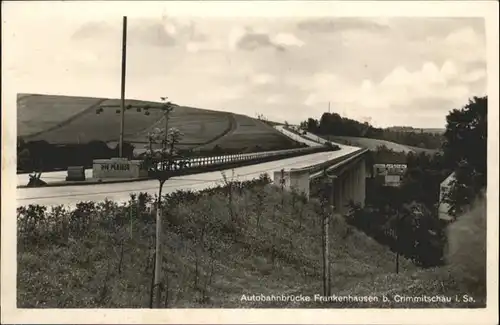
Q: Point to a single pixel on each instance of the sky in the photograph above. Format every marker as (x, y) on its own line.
(383, 70)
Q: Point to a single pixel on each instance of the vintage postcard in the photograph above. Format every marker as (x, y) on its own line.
(250, 162)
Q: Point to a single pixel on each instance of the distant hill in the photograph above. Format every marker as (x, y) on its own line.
(74, 120)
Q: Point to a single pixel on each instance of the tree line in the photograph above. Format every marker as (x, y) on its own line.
(334, 124)
(43, 156)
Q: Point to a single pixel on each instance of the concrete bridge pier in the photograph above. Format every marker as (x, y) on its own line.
(350, 185)
(297, 180)
(349, 182)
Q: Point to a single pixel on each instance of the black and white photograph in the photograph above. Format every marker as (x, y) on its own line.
(212, 155)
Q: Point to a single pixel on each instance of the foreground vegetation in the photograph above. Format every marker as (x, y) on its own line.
(240, 238)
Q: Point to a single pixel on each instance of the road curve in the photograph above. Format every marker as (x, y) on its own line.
(120, 192)
(296, 137)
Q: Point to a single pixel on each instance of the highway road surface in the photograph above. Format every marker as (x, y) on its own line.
(296, 137)
(120, 192)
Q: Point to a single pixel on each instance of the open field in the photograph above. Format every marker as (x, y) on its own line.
(73, 120)
(417, 130)
(372, 144)
(39, 113)
(249, 133)
(218, 246)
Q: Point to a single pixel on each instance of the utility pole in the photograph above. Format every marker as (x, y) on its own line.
(326, 236)
(282, 184)
(398, 221)
(328, 107)
(158, 251)
(326, 255)
(124, 68)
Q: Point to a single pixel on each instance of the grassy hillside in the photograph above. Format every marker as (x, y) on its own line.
(218, 246)
(38, 113)
(372, 144)
(248, 133)
(72, 120)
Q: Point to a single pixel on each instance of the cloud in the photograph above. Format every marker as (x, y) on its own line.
(332, 25)
(287, 39)
(93, 29)
(402, 87)
(166, 32)
(204, 46)
(276, 99)
(399, 89)
(263, 79)
(186, 30)
(312, 100)
(474, 76)
(465, 45)
(155, 34)
(251, 39)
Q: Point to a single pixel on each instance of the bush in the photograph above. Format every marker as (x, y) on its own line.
(128, 150)
(331, 146)
(466, 251)
(97, 150)
(43, 156)
(217, 149)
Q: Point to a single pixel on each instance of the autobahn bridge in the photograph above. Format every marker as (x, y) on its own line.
(346, 174)
(345, 168)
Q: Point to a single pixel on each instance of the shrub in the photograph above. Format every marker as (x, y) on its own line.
(128, 150)
(331, 146)
(217, 149)
(97, 150)
(466, 251)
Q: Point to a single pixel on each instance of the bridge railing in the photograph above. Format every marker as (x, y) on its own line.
(316, 170)
(203, 164)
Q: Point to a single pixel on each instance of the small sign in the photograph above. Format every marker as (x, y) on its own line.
(115, 167)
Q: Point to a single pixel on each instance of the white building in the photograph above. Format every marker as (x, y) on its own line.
(444, 207)
(391, 174)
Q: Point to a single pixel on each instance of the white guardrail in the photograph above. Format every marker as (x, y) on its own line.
(311, 140)
(200, 162)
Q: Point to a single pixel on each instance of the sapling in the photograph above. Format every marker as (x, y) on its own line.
(160, 165)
